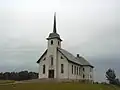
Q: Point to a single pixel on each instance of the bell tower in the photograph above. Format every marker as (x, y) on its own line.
(54, 42)
(54, 38)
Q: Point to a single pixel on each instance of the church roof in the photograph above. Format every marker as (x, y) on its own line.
(54, 35)
(78, 60)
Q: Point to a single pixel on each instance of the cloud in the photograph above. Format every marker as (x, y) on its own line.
(89, 27)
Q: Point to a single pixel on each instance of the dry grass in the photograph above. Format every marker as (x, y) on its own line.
(57, 86)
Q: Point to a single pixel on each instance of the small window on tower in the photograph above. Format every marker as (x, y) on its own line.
(83, 69)
(51, 42)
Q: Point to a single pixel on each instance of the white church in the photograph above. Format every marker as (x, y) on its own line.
(57, 63)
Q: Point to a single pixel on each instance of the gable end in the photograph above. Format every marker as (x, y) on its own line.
(42, 56)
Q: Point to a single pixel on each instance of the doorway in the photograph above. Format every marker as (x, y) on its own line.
(51, 74)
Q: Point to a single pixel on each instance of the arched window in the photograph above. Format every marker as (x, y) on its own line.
(51, 42)
(43, 69)
(51, 60)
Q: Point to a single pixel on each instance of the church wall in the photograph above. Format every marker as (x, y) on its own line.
(67, 68)
(87, 72)
(43, 62)
(54, 41)
(74, 76)
(63, 61)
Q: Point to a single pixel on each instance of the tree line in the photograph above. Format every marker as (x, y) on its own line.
(22, 75)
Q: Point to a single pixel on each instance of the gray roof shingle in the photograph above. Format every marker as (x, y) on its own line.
(72, 58)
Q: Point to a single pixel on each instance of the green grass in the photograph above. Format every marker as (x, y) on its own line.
(57, 86)
(6, 81)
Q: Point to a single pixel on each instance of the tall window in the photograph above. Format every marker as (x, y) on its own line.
(62, 68)
(83, 76)
(51, 42)
(79, 70)
(83, 69)
(43, 69)
(51, 60)
(72, 69)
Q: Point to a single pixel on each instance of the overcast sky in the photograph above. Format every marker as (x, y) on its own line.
(88, 27)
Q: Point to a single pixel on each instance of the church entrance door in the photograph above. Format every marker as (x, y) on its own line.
(51, 74)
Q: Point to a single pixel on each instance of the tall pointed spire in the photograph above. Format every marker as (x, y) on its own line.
(54, 34)
(54, 25)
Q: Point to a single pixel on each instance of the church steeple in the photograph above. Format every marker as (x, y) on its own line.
(54, 34)
(54, 24)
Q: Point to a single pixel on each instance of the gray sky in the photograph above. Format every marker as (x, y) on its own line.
(88, 27)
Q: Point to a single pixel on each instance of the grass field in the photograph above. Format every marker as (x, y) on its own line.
(57, 86)
(6, 81)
